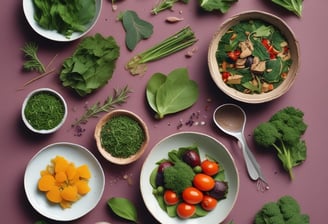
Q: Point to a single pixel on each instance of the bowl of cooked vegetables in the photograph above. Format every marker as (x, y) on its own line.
(254, 57)
(44, 111)
(121, 136)
(193, 179)
(67, 21)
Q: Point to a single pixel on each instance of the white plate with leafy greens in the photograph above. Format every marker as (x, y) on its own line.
(207, 145)
(53, 33)
(79, 156)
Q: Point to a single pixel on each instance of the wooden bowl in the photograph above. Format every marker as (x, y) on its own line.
(261, 97)
(108, 156)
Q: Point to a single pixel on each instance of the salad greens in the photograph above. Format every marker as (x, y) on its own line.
(222, 5)
(64, 16)
(295, 6)
(136, 28)
(174, 43)
(172, 93)
(124, 208)
(91, 65)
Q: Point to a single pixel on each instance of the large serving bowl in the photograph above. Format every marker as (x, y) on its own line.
(104, 152)
(207, 145)
(293, 47)
(29, 10)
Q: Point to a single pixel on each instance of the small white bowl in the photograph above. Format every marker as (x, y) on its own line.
(43, 131)
(28, 9)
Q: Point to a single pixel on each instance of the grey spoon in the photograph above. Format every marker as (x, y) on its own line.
(231, 119)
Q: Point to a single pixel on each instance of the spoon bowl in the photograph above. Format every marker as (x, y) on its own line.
(231, 119)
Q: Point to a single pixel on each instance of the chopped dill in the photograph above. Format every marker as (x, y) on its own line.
(122, 136)
(44, 111)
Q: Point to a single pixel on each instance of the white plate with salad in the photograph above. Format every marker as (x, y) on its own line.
(79, 156)
(207, 146)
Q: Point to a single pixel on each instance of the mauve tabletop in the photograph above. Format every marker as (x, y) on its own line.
(18, 145)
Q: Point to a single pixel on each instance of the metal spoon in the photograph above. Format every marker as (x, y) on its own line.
(231, 119)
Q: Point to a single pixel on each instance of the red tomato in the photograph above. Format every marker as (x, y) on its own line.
(208, 203)
(185, 210)
(192, 195)
(210, 167)
(203, 182)
(170, 197)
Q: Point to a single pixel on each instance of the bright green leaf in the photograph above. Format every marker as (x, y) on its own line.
(123, 208)
(222, 5)
(295, 6)
(152, 86)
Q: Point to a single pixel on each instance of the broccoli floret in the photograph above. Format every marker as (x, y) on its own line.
(283, 132)
(285, 211)
(178, 177)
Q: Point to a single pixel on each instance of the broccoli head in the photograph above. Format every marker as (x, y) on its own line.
(283, 132)
(178, 177)
(285, 211)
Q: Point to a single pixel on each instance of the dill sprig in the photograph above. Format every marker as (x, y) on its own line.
(33, 62)
(119, 97)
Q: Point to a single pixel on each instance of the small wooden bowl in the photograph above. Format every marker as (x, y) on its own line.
(104, 152)
(262, 97)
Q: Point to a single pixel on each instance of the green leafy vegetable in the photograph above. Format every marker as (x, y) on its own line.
(123, 208)
(165, 4)
(64, 16)
(171, 94)
(283, 132)
(222, 5)
(33, 62)
(295, 6)
(174, 43)
(136, 28)
(91, 65)
(119, 97)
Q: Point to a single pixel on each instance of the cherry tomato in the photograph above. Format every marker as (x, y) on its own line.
(203, 182)
(208, 203)
(192, 195)
(210, 167)
(185, 210)
(170, 197)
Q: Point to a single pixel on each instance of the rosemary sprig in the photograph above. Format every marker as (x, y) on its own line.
(119, 97)
(33, 62)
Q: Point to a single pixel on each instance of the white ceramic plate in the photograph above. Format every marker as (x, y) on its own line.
(79, 156)
(28, 9)
(207, 145)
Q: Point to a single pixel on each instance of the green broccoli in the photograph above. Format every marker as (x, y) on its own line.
(285, 211)
(178, 177)
(283, 132)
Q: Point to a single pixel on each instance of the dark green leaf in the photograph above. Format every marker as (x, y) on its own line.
(152, 86)
(222, 5)
(294, 6)
(123, 208)
(136, 29)
(273, 71)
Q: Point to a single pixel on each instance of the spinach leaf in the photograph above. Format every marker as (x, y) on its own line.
(294, 6)
(91, 65)
(273, 71)
(136, 28)
(171, 94)
(222, 5)
(123, 208)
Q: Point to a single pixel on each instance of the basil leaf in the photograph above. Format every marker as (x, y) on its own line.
(136, 29)
(123, 208)
(152, 86)
(294, 6)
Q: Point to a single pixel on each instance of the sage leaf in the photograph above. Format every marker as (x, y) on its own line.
(123, 208)
(175, 94)
(152, 86)
(136, 29)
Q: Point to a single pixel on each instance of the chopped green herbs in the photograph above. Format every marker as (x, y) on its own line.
(122, 136)
(91, 65)
(174, 43)
(136, 28)
(44, 111)
(172, 93)
(253, 57)
(64, 16)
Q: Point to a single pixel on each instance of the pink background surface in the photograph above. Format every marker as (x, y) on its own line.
(308, 93)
